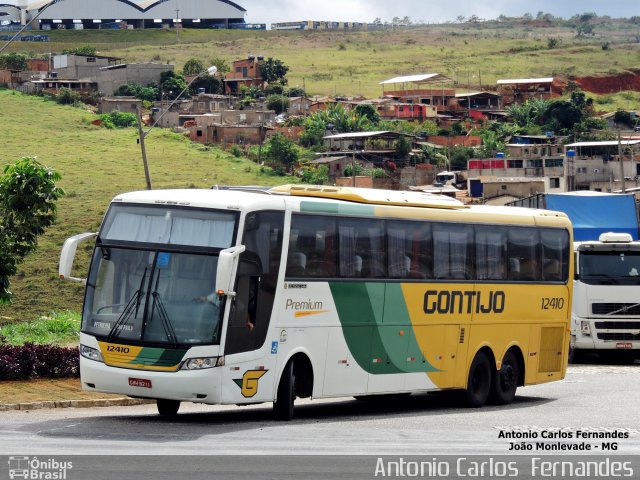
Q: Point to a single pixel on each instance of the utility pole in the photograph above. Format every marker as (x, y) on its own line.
(175, 25)
(141, 136)
(353, 165)
(620, 159)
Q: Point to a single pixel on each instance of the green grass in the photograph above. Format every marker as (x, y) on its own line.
(61, 328)
(96, 164)
(350, 63)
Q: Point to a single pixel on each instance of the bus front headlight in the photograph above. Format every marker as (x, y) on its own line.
(202, 363)
(91, 353)
(585, 328)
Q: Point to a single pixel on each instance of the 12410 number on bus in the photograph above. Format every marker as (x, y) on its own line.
(552, 303)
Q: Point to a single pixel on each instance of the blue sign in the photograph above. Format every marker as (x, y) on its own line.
(274, 348)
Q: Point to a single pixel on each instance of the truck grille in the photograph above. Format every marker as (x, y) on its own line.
(607, 308)
(617, 325)
(618, 336)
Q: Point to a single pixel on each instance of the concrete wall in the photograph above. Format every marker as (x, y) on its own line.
(143, 73)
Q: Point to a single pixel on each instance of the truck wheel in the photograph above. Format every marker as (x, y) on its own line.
(283, 406)
(505, 381)
(168, 408)
(479, 381)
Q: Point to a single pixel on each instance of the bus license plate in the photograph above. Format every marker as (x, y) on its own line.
(624, 345)
(139, 382)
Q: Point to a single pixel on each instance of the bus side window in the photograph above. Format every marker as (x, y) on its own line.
(523, 247)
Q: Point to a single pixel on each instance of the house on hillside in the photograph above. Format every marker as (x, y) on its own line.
(119, 104)
(245, 72)
(522, 89)
(424, 89)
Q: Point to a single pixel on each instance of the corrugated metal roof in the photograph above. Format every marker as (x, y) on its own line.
(342, 136)
(525, 80)
(475, 94)
(609, 143)
(422, 78)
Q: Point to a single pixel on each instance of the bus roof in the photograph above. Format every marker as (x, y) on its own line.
(347, 201)
(372, 196)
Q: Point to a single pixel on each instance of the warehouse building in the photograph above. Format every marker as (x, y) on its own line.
(93, 14)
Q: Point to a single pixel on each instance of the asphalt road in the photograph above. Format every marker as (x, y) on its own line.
(593, 398)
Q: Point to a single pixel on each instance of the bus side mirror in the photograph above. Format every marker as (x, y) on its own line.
(227, 261)
(68, 255)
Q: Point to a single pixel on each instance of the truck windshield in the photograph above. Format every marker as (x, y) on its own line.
(152, 275)
(610, 268)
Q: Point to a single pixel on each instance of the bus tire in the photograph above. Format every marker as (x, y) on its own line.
(576, 356)
(505, 380)
(167, 408)
(479, 381)
(283, 406)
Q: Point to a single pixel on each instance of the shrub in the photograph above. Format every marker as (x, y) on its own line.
(236, 151)
(118, 119)
(67, 96)
(30, 360)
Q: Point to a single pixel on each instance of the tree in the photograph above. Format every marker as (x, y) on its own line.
(28, 193)
(278, 103)
(314, 174)
(221, 64)
(274, 70)
(171, 84)
(13, 61)
(280, 152)
(368, 111)
(402, 147)
(193, 66)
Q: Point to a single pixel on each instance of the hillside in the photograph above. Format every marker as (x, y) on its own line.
(350, 63)
(95, 164)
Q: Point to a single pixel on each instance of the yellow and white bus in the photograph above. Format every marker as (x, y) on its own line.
(238, 297)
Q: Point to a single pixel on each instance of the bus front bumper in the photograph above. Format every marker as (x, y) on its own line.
(185, 385)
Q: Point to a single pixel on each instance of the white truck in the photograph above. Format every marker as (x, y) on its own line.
(458, 179)
(606, 298)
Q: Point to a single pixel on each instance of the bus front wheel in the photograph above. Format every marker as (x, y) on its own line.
(505, 381)
(283, 406)
(168, 408)
(479, 381)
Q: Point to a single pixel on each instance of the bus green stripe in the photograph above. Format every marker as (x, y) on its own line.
(159, 357)
(377, 328)
(338, 209)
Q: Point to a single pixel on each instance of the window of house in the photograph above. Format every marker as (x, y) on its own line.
(199, 133)
(554, 182)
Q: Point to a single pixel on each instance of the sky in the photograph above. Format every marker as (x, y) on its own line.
(427, 11)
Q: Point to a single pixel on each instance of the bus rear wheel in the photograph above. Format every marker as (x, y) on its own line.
(168, 408)
(479, 381)
(505, 381)
(283, 406)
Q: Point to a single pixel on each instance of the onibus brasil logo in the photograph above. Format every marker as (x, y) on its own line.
(37, 469)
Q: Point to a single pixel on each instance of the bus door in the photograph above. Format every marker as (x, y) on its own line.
(250, 362)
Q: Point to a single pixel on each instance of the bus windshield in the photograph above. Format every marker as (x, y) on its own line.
(152, 276)
(610, 268)
(152, 297)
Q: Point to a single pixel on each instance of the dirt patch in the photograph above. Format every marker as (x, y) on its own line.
(603, 84)
(46, 390)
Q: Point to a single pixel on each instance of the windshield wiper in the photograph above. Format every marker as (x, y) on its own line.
(132, 305)
(164, 317)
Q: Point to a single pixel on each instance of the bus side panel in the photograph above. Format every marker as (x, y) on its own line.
(342, 374)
